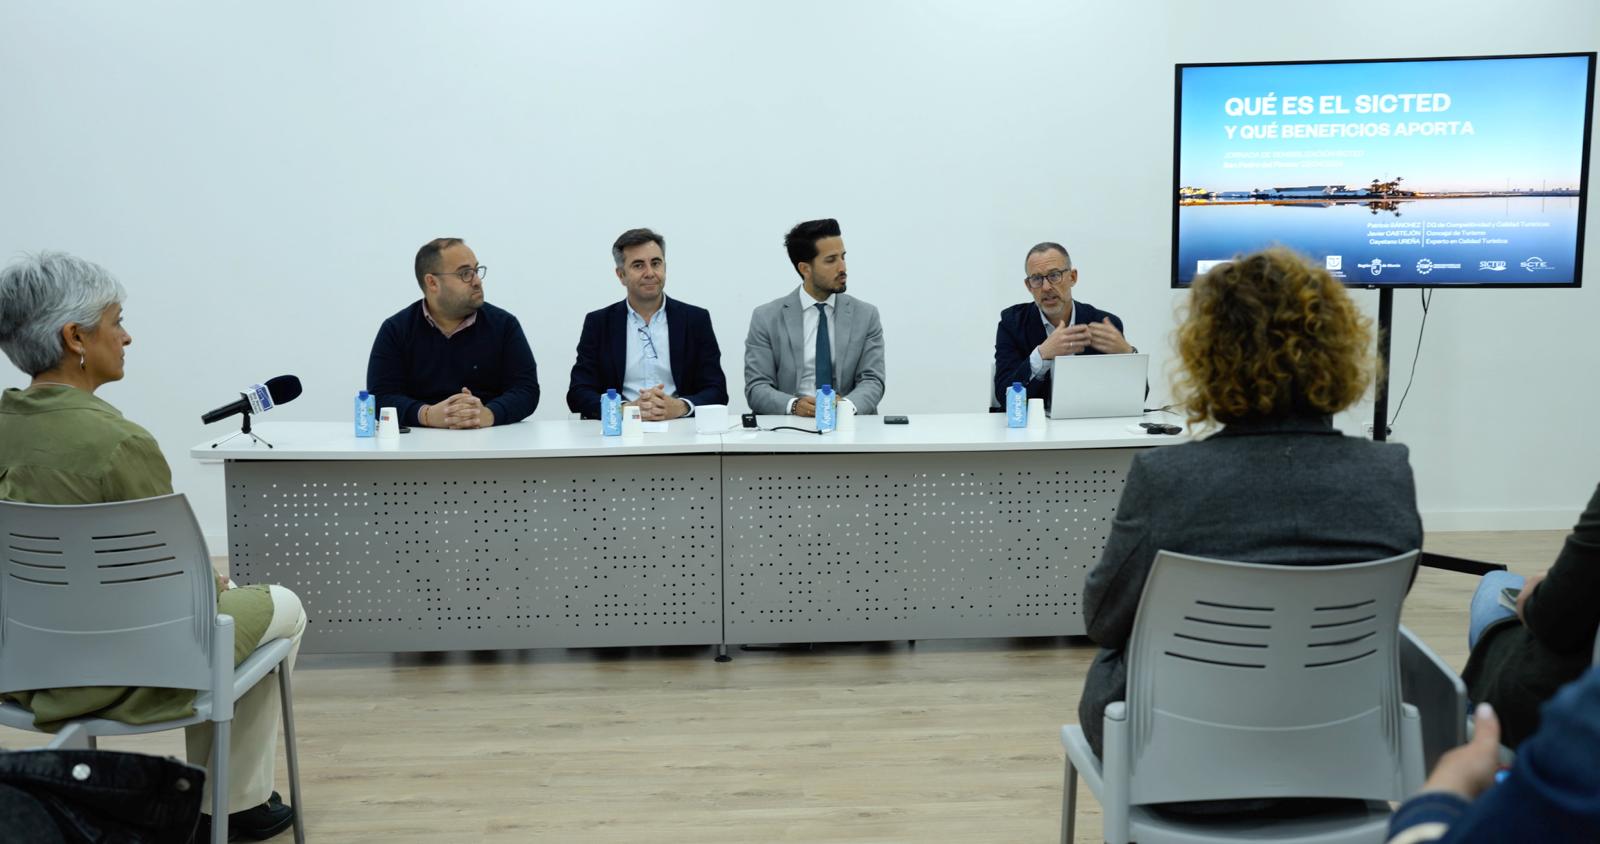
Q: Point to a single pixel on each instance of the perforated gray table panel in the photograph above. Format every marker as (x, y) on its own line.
(478, 554)
(845, 547)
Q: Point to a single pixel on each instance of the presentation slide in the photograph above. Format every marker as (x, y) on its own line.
(1419, 172)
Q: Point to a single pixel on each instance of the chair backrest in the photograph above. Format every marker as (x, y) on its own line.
(1433, 687)
(116, 594)
(1249, 680)
(994, 401)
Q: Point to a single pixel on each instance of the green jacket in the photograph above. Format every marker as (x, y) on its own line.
(61, 445)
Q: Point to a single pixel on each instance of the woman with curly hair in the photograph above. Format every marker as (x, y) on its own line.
(1270, 348)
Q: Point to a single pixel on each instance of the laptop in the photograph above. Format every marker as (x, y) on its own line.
(1093, 386)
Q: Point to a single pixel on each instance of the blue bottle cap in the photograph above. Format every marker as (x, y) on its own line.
(827, 387)
(1016, 384)
(611, 392)
(362, 395)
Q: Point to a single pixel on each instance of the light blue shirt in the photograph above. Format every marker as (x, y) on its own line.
(1039, 364)
(649, 355)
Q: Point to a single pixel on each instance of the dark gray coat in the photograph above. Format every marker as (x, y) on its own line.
(1292, 491)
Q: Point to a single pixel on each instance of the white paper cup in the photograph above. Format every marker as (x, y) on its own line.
(389, 424)
(1036, 415)
(844, 418)
(711, 418)
(632, 423)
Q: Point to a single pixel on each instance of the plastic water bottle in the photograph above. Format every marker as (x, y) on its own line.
(611, 414)
(1016, 406)
(366, 414)
(827, 418)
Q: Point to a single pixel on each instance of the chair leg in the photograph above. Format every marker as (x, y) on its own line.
(221, 734)
(291, 751)
(1069, 805)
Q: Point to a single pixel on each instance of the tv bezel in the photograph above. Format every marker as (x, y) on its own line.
(1583, 173)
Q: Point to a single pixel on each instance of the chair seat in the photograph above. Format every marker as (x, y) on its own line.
(1368, 822)
(21, 717)
(1362, 823)
(261, 662)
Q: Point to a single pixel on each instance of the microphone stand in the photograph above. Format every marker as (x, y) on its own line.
(244, 431)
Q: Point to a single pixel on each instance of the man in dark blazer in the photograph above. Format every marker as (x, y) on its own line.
(1033, 334)
(816, 334)
(658, 353)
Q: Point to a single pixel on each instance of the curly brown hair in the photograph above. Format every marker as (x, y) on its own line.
(1270, 334)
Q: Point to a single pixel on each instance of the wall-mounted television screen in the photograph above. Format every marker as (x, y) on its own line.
(1403, 172)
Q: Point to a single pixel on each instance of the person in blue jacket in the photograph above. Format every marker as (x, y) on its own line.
(450, 359)
(1033, 334)
(1551, 793)
(659, 353)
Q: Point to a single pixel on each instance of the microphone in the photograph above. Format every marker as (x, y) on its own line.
(259, 398)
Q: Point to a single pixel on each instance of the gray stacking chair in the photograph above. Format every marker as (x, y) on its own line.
(1252, 681)
(1439, 695)
(123, 594)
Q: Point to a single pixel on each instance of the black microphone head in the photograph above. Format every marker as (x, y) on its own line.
(283, 389)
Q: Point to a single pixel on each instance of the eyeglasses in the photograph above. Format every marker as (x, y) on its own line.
(649, 343)
(1054, 277)
(467, 275)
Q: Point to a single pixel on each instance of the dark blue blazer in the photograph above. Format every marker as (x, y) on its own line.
(1020, 332)
(603, 356)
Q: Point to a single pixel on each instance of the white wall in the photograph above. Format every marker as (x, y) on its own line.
(260, 175)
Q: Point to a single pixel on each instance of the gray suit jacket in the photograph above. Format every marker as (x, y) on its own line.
(773, 357)
(1291, 491)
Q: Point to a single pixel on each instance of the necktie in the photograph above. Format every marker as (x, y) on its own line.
(824, 350)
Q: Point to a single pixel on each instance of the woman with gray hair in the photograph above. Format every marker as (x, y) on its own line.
(61, 324)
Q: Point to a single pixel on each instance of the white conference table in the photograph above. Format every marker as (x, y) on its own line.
(546, 534)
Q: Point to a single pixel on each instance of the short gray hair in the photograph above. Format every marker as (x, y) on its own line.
(1046, 247)
(39, 295)
(636, 237)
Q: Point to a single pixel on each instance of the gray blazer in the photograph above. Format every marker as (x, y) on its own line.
(773, 357)
(1292, 491)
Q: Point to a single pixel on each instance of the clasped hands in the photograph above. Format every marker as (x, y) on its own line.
(462, 410)
(1101, 336)
(656, 406)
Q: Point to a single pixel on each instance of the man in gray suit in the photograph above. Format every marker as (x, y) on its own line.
(815, 335)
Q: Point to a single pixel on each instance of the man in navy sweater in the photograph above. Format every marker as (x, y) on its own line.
(451, 360)
(658, 353)
(1033, 334)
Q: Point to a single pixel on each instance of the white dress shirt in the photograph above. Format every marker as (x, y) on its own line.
(1039, 364)
(809, 320)
(649, 361)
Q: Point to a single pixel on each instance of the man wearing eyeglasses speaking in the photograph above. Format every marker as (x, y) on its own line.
(450, 359)
(659, 353)
(1033, 334)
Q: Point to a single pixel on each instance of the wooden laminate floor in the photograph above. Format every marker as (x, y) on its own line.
(948, 741)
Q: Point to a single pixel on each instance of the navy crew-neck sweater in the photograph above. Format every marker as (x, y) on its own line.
(413, 364)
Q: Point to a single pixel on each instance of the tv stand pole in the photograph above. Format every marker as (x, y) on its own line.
(1380, 406)
(1380, 433)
